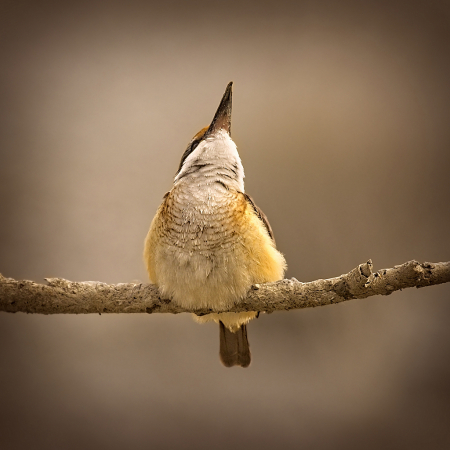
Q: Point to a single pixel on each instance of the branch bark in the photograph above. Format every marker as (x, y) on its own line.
(61, 296)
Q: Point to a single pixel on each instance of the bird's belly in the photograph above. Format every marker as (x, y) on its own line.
(211, 277)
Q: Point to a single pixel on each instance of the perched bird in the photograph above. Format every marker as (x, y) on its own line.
(208, 242)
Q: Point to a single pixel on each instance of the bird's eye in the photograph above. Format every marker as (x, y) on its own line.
(194, 145)
(191, 147)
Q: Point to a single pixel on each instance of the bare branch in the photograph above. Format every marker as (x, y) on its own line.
(60, 296)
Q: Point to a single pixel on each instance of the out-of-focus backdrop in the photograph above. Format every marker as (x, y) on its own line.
(341, 116)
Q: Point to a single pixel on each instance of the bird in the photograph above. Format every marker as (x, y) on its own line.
(208, 242)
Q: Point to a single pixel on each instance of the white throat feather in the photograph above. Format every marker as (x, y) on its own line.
(215, 159)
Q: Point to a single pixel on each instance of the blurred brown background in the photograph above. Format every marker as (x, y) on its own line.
(341, 116)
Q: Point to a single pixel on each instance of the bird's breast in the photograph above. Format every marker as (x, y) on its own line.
(206, 248)
(204, 220)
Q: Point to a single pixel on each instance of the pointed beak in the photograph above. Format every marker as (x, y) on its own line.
(222, 118)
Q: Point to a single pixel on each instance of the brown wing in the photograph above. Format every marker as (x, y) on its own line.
(260, 215)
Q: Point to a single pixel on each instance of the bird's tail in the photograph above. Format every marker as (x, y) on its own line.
(234, 348)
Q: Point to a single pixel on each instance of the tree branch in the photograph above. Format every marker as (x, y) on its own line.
(60, 296)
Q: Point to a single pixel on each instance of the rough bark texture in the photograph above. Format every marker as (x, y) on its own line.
(60, 296)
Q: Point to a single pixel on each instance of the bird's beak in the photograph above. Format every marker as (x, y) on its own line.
(222, 118)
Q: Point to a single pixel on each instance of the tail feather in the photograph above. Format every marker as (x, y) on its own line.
(234, 348)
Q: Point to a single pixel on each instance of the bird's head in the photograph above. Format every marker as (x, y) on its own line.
(213, 146)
